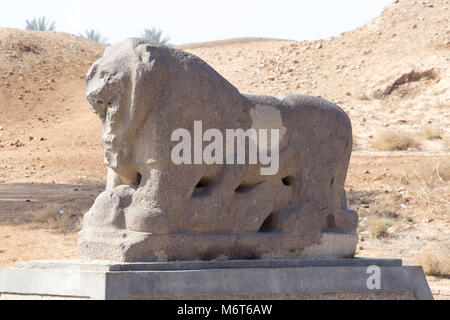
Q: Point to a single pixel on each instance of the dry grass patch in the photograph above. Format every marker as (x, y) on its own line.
(378, 227)
(446, 144)
(431, 133)
(429, 172)
(355, 143)
(381, 217)
(395, 141)
(427, 185)
(57, 218)
(384, 207)
(435, 261)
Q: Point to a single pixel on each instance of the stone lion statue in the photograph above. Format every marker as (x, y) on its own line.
(154, 209)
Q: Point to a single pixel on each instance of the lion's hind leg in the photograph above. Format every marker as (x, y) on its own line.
(342, 218)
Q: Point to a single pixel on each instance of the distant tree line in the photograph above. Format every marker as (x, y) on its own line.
(42, 24)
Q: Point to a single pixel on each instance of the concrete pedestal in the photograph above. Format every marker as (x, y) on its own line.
(231, 279)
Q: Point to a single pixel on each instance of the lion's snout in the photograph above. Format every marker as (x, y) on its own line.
(104, 86)
(100, 95)
(97, 104)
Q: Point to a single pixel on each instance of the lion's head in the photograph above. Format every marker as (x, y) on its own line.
(116, 93)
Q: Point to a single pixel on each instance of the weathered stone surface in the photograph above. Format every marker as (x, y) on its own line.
(154, 209)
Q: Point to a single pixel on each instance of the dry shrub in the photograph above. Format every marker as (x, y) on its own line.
(430, 172)
(446, 144)
(51, 217)
(379, 227)
(356, 198)
(355, 143)
(435, 261)
(431, 133)
(384, 207)
(442, 169)
(395, 141)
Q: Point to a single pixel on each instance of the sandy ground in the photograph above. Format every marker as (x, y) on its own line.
(391, 74)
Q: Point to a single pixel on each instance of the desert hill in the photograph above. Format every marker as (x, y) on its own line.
(392, 72)
(390, 75)
(46, 123)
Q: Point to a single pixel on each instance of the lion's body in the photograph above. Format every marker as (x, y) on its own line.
(155, 90)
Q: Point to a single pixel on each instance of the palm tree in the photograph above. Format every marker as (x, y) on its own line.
(94, 35)
(40, 25)
(155, 35)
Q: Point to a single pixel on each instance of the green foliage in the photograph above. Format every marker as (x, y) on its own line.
(155, 35)
(94, 35)
(40, 24)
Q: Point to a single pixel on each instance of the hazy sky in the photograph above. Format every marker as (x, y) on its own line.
(198, 20)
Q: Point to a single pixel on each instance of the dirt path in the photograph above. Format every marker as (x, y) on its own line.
(23, 237)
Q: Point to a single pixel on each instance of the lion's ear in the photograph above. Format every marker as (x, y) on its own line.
(147, 53)
(150, 54)
(144, 55)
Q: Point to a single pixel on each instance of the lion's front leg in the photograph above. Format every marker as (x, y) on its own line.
(112, 179)
(125, 177)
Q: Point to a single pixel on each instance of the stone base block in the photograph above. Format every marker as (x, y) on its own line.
(129, 246)
(229, 279)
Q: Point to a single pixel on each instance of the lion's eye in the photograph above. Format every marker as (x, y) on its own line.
(103, 74)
